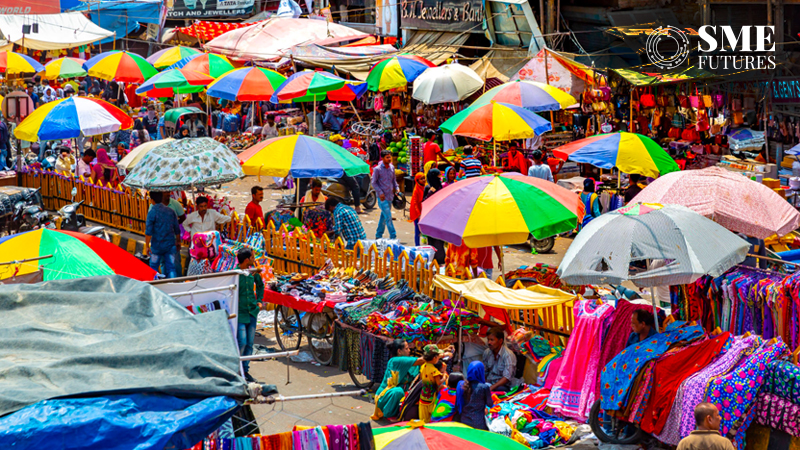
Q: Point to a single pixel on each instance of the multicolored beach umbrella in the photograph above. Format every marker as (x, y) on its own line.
(248, 84)
(440, 436)
(628, 152)
(310, 83)
(208, 63)
(70, 118)
(64, 68)
(300, 156)
(172, 81)
(120, 66)
(499, 121)
(500, 210)
(75, 255)
(396, 72)
(13, 63)
(351, 90)
(169, 56)
(531, 95)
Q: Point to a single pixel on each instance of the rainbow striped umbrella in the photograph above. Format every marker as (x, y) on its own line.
(248, 84)
(396, 72)
(75, 255)
(351, 90)
(528, 94)
(499, 121)
(70, 118)
(169, 56)
(13, 63)
(440, 436)
(309, 83)
(64, 68)
(500, 210)
(300, 156)
(120, 66)
(172, 81)
(628, 152)
(207, 63)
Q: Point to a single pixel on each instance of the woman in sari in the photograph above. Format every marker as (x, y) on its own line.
(105, 169)
(400, 372)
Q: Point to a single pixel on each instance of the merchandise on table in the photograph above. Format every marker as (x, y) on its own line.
(331, 285)
(330, 437)
(228, 249)
(545, 275)
(520, 415)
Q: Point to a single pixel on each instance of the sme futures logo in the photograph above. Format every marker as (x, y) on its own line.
(720, 47)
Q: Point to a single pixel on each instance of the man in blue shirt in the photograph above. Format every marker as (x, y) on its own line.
(384, 182)
(345, 223)
(643, 325)
(334, 121)
(162, 235)
(470, 164)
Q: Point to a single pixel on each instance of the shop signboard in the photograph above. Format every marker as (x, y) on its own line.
(785, 91)
(204, 9)
(443, 15)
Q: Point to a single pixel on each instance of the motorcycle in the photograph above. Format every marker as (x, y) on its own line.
(28, 215)
(72, 221)
(49, 161)
(334, 187)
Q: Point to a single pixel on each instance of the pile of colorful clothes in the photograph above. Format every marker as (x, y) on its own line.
(520, 415)
(545, 275)
(332, 285)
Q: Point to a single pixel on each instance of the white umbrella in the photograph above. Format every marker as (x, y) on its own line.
(135, 156)
(448, 83)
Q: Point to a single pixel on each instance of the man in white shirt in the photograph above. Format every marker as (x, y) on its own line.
(204, 219)
(269, 130)
(84, 166)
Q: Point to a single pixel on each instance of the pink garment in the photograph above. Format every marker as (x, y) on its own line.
(586, 339)
(552, 372)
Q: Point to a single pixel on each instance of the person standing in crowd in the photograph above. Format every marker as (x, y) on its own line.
(431, 378)
(315, 120)
(65, 161)
(139, 135)
(501, 365)
(251, 294)
(591, 202)
(473, 396)
(162, 131)
(471, 165)
(539, 169)
(450, 176)
(431, 152)
(204, 219)
(706, 435)
(151, 121)
(633, 188)
(5, 143)
(33, 95)
(162, 235)
(84, 166)
(384, 181)
(270, 129)
(516, 161)
(415, 205)
(484, 259)
(345, 223)
(253, 209)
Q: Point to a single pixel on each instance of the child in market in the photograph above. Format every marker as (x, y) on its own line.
(474, 396)
(446, 409)
(431, 378)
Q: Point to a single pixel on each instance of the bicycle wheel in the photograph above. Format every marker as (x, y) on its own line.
(288, 328)
(354, 368)
(612, 430)
(320, 338)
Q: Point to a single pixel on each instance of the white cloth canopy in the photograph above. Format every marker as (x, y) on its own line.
(56, 31)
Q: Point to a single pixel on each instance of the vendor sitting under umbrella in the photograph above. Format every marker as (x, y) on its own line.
(643, 325)
(500, 362)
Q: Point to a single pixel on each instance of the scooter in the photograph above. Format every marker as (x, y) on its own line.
(28, 215)
(334, 187)
(72, 221)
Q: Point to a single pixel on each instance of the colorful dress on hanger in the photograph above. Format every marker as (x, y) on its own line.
(580, 363)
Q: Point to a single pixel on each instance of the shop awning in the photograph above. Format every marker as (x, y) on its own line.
(121, 16)
(56, 31)
(488, 293)
(435, 46)
(563, 72)
(675, 76)
(353, 60)
(500, 64)
(205, 30)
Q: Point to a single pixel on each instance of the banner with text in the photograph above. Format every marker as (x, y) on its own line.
(449, 15)
(203, 9)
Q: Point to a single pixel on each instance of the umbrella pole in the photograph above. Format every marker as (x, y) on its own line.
(297, 196)
(314, 118)
(494, 154)
(655, 308)
(253, 115)
(356, 110)
(502, 265)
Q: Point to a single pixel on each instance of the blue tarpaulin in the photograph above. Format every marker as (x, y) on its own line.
(116, 422)
(122, 16)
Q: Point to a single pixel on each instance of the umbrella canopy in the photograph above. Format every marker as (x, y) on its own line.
(248, 84)
(172, 116)
(207, 63)
(120, 66)
(500, 121)
(70, 118)
(440, 436)
(351, 90)
(64, 68)
(185, 163)
(396, 72)
(75, 255)
(169, 56)
(307, 83)
(528, 94)
(169, 82)
(690, 244)
(134, 157)
(499, 210)
(628, 152)
(13, 63)
(300, 156)
(730, 199)
(448, 83)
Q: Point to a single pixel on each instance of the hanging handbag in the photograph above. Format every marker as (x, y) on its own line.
(648, 100)
(708, 101)
(396, 102)
(694, 100)
(678, 120)
(738, 118)
(606, 93)
(683, 101)
(749, 103)
(702, 120)
(736, 104)
(674, 133)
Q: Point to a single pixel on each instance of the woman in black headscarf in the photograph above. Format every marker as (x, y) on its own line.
(183, 132)
(434, 186)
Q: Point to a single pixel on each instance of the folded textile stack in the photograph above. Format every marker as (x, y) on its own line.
(520, 416)
(332, 285)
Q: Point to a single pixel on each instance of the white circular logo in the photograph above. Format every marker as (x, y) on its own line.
(659, 39)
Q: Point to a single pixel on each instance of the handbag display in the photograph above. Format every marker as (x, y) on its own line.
(694, 100)
(719, 100)
(648, 100)
(738, 117)
(678, 120)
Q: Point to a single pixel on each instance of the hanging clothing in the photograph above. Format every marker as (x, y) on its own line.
(617, 332)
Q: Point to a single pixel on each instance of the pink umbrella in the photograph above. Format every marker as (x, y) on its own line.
(732, 200)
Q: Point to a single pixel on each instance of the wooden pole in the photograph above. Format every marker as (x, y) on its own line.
(547, 81)
(355, 110)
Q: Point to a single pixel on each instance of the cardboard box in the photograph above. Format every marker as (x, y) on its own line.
(781, 192)
(772, 183)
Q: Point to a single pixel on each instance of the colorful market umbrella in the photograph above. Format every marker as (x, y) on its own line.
(307, 83)
(75, 255)
(447, 83)
(532, 95)
(207, 63)
(500, 210)
(628, 152)
(730, 199)
(248, 84)
(300, 156)
(120, 66)
(70, 118)
(169, 56)
(351, 90)
(396, 72)
(440, 436)
(500, 121)
(64, 68)
(184, 164)
(172, 81)
(134, 157)
(13, 63)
